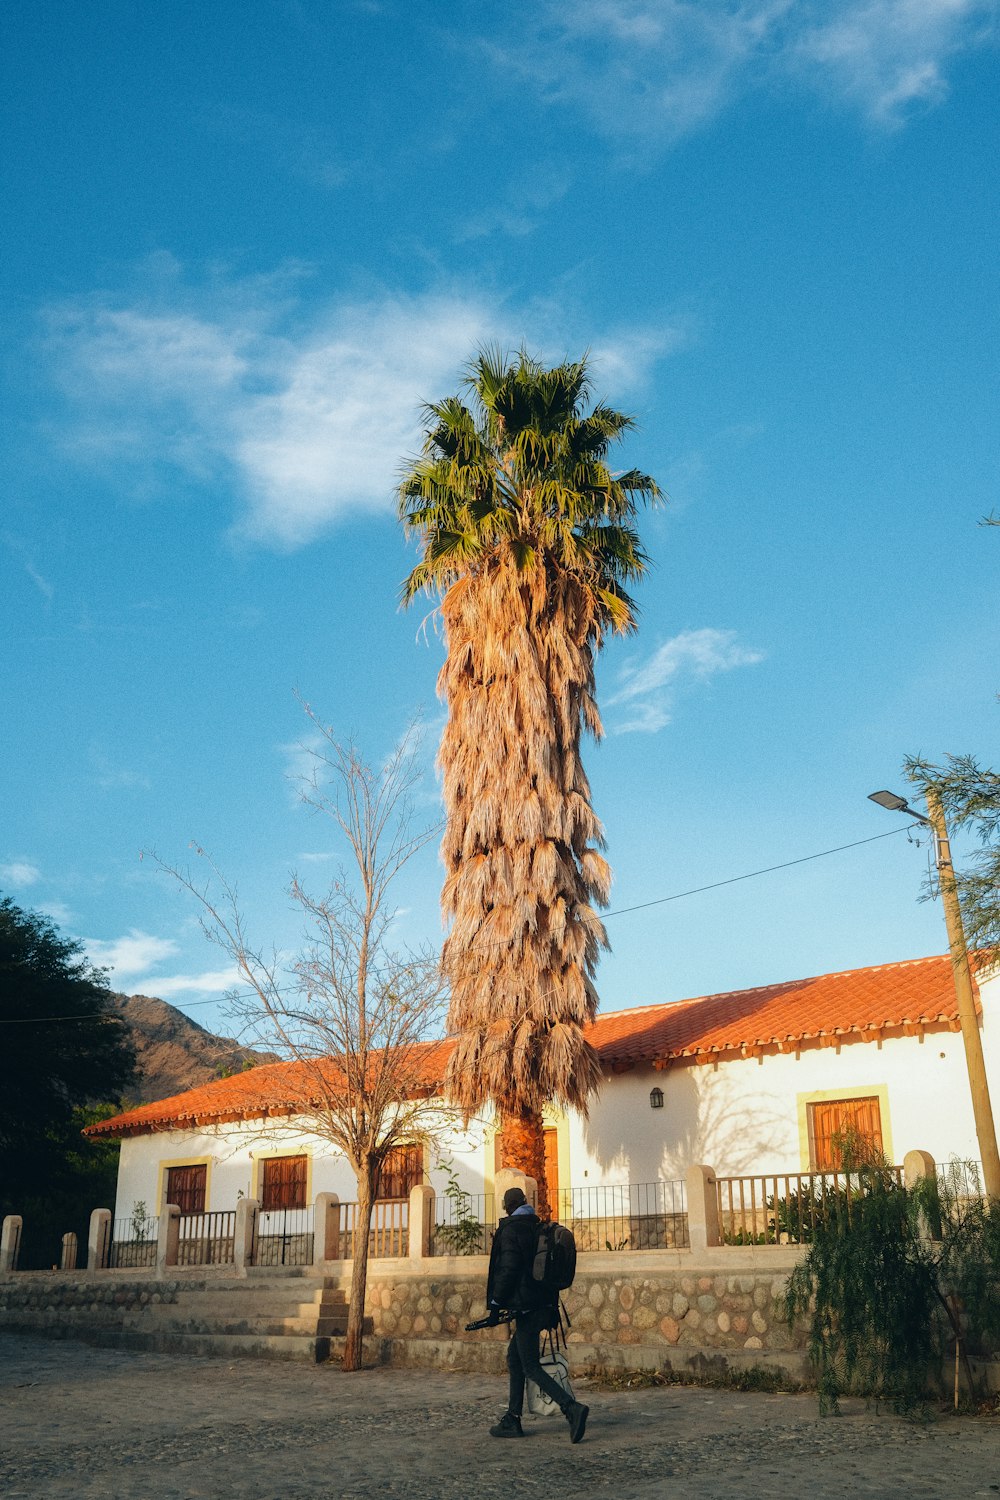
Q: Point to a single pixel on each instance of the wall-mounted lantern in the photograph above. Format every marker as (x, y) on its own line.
(656, 1098)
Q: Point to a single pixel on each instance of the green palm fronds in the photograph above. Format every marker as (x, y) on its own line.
(522, 463)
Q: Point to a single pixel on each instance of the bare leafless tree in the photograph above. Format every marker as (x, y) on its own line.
(353, 1011)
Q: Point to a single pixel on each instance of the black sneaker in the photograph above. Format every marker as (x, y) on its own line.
(576, 1416)
(508, 1426)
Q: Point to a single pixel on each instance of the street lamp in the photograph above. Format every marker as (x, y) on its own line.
(894, 803)
(981, 1108)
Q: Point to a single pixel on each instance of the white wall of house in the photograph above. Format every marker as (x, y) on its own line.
(741, 1116)
(746, 1116)
(233, 1154)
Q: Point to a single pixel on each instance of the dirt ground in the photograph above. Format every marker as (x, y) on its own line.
(88, 1423)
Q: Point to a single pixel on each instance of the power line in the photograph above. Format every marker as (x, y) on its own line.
(622, 912)
(734, 879)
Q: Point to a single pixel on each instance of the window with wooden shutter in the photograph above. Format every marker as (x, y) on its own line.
(836, 1121)
(283, 1182)
(402, 1170)
(186, 1187)
(551, 1138)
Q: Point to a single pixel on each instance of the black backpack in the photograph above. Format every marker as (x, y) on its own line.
(554, 1264)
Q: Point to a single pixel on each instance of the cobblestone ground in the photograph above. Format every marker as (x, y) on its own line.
(88, 1423)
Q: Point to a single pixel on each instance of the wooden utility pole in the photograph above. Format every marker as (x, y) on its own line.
(981, 1107)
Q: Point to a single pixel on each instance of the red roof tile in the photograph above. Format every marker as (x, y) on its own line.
(273, 1090)
(854, 1005)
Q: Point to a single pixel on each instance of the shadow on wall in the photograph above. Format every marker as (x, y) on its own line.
(705, 1118)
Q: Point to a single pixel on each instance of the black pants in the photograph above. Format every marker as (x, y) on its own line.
(523, 1361)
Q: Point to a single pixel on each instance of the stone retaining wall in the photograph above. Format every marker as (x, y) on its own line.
(626, 1312)
(75, 1306)
(659, 1310)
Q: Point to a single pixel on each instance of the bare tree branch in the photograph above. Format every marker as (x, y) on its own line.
(352, 1012)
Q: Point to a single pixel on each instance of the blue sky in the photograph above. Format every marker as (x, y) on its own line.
(243, 243)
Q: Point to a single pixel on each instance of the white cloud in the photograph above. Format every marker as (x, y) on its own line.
(518, 210)
(660, 68)
(646, 689)
(60, 913)
(888, 56)
(302, 763)
(312, 421)
(111, 777)
(310, 411)
(210, 982)
(20, 550)
(136, 953)
(332, 437)
(20, 873)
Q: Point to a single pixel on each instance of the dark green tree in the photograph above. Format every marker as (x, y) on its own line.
(64, 1054)
(970, 796)
(896, 1280)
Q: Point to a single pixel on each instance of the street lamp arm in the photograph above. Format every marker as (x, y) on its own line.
(892, 802)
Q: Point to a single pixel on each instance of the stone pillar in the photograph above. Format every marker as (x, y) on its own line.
(920, 1167)
(702, 1208)
(421, 1221)
(10, 1242)
(508, 1177)
(67, 1261)
(245, 1236)
(168, 1238)
(326, 1228)
(99, 1240)
(917, 1165)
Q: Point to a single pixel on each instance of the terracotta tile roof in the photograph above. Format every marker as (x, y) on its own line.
(273, 1090)
(852, 1006)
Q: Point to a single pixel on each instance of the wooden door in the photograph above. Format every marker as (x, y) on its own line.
(186, 1187)
(552, 1171)
(402, 1170)
(283, 1182)
(837, 1119)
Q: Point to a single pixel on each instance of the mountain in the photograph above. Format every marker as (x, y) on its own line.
(174, 1053)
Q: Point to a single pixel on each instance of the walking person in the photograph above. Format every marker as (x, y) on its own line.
(511, 1287)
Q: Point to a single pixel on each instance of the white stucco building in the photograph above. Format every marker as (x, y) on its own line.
(747, 1082)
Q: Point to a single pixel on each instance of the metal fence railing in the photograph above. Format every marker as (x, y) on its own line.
(206, 1239)
(622, 1216)
(784, 1208)
(284, 1237)
(463, 1224)
(133, 1243)
(390, 1228)
(626, 1216)
(961, 1182)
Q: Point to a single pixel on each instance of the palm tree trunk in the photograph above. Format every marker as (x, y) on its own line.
(522, 1145)
(359, 1274)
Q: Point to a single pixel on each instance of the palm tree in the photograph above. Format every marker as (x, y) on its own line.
(529, 540)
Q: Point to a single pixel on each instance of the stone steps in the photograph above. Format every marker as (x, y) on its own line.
(184, 1320)
(265, 1315)
(211, 1305)
(222, 1345)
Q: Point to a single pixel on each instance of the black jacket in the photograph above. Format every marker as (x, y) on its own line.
(510, 1284)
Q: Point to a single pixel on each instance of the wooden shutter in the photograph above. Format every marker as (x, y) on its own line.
(402, 1170)
(186, 1187)
(552, 1170)
(836, 1118)
(284, 1182)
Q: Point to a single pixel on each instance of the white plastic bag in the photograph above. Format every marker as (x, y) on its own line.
(556, 1366)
